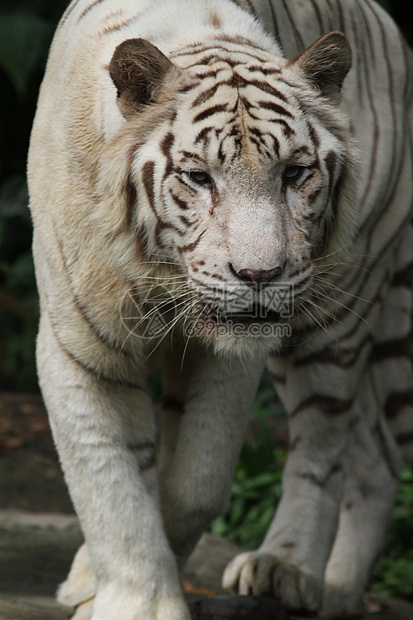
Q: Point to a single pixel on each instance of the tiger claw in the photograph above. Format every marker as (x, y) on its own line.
(256, 573)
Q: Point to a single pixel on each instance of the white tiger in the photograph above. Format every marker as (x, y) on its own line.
(189, 159)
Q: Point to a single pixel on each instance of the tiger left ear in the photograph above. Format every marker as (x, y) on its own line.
(326, 63)
(138, 69)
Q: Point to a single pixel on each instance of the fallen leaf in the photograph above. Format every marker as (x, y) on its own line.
(191, 589)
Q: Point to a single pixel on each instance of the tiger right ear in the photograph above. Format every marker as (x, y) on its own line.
(138, 69)
(326, 63)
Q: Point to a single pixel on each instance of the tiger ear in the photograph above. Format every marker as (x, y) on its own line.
(326, 63)
(138, 70)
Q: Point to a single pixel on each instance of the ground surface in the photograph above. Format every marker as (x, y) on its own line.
(39, 534)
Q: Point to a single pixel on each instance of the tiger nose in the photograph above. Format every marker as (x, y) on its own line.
(257, 276)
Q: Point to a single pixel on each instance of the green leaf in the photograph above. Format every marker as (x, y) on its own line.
(237, 510)
(219, 527)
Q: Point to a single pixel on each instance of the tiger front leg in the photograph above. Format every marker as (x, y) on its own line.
(291, 561)
(372, 475)
(206, 414)
(105, 433)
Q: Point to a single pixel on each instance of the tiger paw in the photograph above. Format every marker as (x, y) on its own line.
(173, 611)
(84, 611)
(256, 573)
(115, 603)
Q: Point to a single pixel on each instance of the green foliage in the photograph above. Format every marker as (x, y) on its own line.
(393, 574)
(254, 498)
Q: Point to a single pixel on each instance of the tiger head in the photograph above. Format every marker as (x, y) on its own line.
(242, 176)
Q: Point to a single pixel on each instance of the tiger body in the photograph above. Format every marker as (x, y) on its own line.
(214, 154)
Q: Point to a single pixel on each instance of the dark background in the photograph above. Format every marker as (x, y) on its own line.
(26, 29)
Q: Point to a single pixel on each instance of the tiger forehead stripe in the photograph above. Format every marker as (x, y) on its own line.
(269, 89)
(251, 107)
(219, 107)
(219, 48)
(203, 136)
(240, 81)
(209, 93)
(264, 69)
(274, 107)
(248, 105)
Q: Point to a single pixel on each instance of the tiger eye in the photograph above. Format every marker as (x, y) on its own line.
(292, 173)
(200, 178)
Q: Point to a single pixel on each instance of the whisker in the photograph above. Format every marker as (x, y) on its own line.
(187, 341)
(156, 309)
(347, 245)
(305, 310)
(353, 312)
(160, 262)
(342, 292)
(184, 294)
(328, 313)
(341, 263)
(171, 326)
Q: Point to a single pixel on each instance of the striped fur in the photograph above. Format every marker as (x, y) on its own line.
(189, 159)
